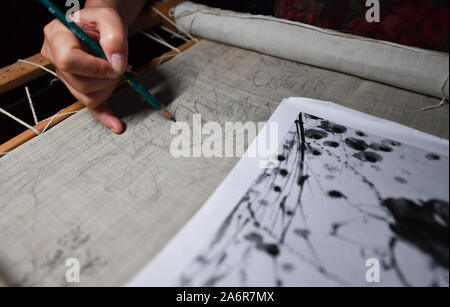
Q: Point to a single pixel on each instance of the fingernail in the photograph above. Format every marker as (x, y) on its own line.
(119, 63)
(115, 128)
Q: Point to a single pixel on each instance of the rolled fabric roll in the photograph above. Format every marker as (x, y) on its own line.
(414, 69)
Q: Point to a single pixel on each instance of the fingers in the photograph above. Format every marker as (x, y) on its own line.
(89, 99)
(113, 36)
(64, 50)
(104, 115)
(95, 102)
(88, 85)
(90, 79)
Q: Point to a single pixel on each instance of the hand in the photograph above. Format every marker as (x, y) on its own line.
(90, 79)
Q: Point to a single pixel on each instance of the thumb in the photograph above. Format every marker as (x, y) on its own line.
(113, 38)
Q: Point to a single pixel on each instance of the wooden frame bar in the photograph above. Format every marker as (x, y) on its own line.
(19, 73)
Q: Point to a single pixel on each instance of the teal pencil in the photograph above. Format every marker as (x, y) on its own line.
(83, 37)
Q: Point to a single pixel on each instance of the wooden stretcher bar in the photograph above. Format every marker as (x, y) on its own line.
(18, 74)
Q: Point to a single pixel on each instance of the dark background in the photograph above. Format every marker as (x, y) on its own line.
(22, 21)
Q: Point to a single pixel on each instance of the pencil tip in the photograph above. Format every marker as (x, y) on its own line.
(168, 115)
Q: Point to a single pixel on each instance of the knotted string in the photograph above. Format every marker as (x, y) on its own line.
(33, 111)
(174, 24)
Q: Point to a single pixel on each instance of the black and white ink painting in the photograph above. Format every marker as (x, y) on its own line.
(344, 207)
(339, 197)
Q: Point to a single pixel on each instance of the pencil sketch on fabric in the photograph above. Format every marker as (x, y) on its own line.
(114, 202)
